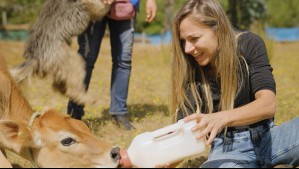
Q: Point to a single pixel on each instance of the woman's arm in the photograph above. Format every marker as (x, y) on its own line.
(263, 107)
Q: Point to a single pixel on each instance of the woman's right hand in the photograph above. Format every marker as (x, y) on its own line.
(209, 123)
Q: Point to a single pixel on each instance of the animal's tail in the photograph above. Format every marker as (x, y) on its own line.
(23, 71)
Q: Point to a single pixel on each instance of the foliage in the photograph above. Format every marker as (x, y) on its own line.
(277, 13)
(283, 13)
(166, 11)
(252, 10)
(247, 12)
(243, 13)
(273, 13)
(21, 11)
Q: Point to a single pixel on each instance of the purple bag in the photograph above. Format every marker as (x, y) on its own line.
(121, 10)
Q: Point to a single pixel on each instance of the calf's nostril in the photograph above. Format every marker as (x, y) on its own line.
(115, 153)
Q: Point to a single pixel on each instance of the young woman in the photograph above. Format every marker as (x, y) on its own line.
(222, 79)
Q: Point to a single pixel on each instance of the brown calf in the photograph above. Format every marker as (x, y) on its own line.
(50, 139)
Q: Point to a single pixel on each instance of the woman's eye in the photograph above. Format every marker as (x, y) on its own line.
(194, 40)
(68, 141)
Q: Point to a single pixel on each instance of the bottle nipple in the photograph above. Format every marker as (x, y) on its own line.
(124, 159)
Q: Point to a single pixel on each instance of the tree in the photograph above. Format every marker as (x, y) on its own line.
(243, 13)
(20, 11)
(232, 12)
(4, 5)
(283, 13)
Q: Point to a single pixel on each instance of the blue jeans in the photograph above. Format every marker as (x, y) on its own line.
(261, 147)
(121, 38)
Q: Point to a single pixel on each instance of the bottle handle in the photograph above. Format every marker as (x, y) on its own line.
(166, 131)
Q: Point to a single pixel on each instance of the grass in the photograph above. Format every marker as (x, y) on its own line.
(149, 93)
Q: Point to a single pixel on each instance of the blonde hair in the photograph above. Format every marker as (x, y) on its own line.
(185, 68)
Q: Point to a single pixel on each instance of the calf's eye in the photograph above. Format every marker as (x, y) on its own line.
(68, 141)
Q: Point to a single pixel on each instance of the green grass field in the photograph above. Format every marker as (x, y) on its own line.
(149, 92)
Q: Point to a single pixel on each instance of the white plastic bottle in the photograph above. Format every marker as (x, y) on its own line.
(167, 145)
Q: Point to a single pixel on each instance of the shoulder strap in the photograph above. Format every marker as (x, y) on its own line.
(246, 73)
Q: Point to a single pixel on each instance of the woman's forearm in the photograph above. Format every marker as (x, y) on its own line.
(263, 107)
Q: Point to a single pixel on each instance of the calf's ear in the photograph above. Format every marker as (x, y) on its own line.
(15, 135)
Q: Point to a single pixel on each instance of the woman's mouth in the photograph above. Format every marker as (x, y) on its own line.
(198, 56)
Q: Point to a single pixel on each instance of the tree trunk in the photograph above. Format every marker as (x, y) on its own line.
(4, 18)
(233, 13)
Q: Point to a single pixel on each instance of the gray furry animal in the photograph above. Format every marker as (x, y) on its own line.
(48, 49)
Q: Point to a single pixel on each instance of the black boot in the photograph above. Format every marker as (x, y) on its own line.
(123, 121)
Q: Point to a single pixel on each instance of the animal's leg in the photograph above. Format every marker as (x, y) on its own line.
(70, 80)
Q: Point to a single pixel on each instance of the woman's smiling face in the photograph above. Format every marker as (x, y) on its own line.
(199, 41)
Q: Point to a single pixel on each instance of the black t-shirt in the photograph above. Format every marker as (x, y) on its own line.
(253, 49)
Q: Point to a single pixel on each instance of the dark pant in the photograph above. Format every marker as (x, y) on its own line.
(121, 38)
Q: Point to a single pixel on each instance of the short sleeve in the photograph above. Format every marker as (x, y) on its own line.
(254, 50)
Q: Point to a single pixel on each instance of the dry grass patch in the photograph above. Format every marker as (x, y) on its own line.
(149, 92)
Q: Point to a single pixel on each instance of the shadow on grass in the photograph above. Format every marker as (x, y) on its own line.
(136, 112)
(16, 166)
(193, 163)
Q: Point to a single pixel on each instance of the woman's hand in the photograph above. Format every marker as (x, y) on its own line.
(211, 123)
(151, 10)
(108, 2)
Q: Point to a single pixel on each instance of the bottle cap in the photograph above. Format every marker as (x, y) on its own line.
(124, 159)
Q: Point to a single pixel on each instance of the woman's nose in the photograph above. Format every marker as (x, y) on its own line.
(189, 48)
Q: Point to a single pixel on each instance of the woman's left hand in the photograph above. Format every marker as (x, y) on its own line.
(211, 123)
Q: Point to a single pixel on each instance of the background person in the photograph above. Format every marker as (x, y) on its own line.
(121, 38)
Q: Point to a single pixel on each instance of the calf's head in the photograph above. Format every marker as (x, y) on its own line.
(56, 140)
